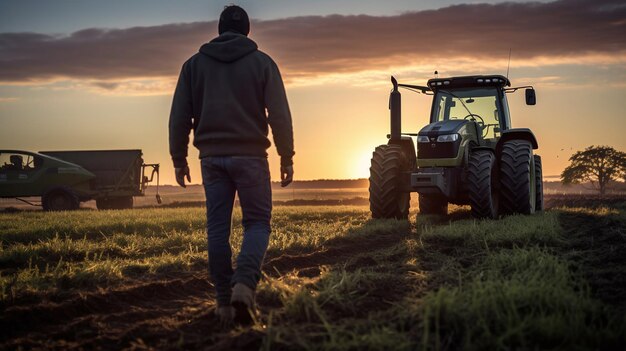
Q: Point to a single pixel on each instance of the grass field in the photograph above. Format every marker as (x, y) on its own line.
(334, 279)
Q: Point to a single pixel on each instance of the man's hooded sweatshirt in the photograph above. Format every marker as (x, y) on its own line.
(223, 93)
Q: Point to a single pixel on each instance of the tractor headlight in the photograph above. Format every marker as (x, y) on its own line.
(447, 138)
(422, 139)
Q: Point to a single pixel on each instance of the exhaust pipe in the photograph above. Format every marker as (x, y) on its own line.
(395, 111)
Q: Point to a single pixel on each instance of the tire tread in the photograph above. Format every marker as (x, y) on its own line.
(538, 183)
(515, 176)
(480, 183)
(388, 161)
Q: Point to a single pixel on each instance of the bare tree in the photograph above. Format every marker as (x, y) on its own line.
(596, 164)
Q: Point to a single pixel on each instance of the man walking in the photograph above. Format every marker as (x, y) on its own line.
(228, 93)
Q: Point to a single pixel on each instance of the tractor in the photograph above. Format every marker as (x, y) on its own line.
(64, 179)
(468, 155)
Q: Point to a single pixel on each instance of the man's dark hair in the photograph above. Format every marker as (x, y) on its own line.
(234, 19)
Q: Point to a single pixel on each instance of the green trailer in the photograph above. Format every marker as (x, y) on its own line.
(64, 179)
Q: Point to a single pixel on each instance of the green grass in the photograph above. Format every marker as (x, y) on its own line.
(42, 251)
(440, 284)
(524, 297)
(463, 285)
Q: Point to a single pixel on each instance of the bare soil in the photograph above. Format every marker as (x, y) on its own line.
(175, 313)
(597, 246)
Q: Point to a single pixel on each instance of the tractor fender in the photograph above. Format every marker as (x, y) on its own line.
(517, 134)
(60, 188)
(408, 147)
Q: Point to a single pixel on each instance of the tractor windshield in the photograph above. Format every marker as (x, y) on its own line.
(477, 105)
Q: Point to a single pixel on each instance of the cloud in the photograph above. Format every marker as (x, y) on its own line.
(110, 86)
(132, 87)
(585, 31)
(99, 53)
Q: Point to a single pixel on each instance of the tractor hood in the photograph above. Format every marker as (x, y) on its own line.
(433, 148)
(442, 128)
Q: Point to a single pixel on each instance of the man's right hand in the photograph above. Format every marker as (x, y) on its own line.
(286, 175)
(181, 173)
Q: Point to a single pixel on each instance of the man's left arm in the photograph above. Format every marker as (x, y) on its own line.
(279, 118)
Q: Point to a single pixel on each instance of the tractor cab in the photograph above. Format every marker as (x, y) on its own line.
(466, 112)
(471, 99)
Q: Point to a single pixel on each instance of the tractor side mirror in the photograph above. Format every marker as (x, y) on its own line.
(531, 98)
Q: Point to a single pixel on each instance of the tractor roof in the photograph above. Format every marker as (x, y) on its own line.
(469, 82)
(9, 151)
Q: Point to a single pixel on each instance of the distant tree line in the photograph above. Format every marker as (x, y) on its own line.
(327, 184)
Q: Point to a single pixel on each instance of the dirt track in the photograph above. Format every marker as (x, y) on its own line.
(177, 311)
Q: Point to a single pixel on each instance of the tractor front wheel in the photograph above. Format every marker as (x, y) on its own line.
(482, 184)
(60, 199)
(517, 178)
(387, 200)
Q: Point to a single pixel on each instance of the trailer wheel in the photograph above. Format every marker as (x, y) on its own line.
(517, 178)
(538, 184)
(482, 180)
(115, 203)
(60, 199)
(386, 198)
(433, 204)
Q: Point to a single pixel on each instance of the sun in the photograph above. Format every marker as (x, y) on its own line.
(360, 167)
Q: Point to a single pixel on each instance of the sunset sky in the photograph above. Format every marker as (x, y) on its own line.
(100, 74)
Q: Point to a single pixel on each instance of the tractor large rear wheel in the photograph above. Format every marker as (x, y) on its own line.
(433, 204)
(538, 184)
(482, 184)
(387, 200)
(517, 178)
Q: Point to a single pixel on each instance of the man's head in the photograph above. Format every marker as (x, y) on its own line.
(234, 19)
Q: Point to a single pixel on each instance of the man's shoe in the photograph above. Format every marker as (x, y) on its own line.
(225, 316)
(242, 301)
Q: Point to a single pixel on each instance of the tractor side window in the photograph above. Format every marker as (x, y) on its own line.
(12, 161)
(442, 108)
(507, 114)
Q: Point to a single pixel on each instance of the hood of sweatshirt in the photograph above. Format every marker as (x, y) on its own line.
(229, 47)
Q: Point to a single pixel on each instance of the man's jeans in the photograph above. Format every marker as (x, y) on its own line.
(250, 178)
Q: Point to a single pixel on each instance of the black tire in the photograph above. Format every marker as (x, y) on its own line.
(115, 203)
(538, 184)
(433, 204)
(517, 178)
(482, 180)
(386, 199)
(60, 199)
